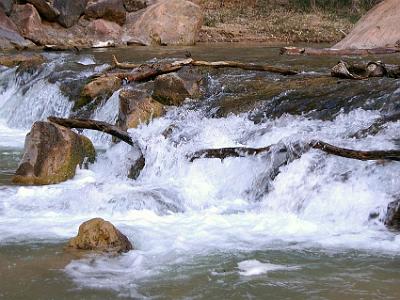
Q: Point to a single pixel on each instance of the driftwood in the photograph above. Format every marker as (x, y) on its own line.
(337, 52)
(94, 125)
(363, 71)
(148, 71)
(223, 153)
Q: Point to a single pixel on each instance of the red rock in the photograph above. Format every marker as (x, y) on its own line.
(112, 10)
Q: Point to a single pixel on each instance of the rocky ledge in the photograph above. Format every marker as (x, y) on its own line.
(97, 23)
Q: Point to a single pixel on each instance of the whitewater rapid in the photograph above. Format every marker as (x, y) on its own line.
(178, 211)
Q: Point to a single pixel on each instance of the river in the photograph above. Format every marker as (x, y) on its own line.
(210, 229)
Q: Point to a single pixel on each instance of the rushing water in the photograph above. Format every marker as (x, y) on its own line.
(208, 229)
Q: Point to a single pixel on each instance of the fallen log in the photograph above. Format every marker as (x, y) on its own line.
(94, 125)
(223, 153)
(171, 67)
(337, 52)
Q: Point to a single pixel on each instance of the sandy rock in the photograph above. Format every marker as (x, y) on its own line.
(45, 9)
(134, 5)
(70, 11)
(6, 6)
(51, 155)
(112, 10)
(168, 22)
(101, 87)
(137, 107)
(171, 89)
(28, 21)
(100, 235)
(18, 59)
(378, 28)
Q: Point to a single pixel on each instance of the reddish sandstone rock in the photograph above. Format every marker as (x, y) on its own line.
(102, 86)
(46, 9)
(103, 30)
(134, 5)
(168, 22)
(28, 21)
(100, 235)
(9, 35)
(70, 11)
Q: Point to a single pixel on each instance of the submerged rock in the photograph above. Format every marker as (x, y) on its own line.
(137, 107)
(168, 22)
(392, 219)
(51, 155)
(100, 235)
(171, 89)
(112, 10)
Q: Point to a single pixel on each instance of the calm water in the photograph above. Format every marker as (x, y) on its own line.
(208, 229)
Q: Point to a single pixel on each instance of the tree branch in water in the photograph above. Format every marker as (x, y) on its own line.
(94, 125)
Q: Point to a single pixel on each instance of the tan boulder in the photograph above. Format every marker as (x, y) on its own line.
(378, 28)
(100, 235)
(168, 22)
(137, 107)
(103, 30)
(51, 155)
(21, 59)
(101, 87)
(171, 89)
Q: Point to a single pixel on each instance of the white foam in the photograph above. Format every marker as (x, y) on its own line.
(254, 267)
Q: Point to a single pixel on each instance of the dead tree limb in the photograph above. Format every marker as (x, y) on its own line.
(119, 65)
(94, 125)
(223, 153)
(336, 52)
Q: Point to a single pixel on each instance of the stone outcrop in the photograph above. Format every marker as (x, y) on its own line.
(9, 36)
(100, 235)
(45, 9)
(6, 6)
(112, 10)
(51, 155)
(137, 107)
(134, 5)
(103, 30)
(171, 89)
(168, 22)
(28, 21)
(101, 87)
(70, 11)
(378, 28)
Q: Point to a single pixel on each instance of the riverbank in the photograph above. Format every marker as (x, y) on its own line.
(232, 21)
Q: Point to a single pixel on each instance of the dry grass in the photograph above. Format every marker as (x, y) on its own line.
(242, 21)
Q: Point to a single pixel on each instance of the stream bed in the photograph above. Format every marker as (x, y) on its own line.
(208, 229)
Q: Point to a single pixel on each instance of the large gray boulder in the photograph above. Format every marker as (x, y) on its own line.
(70, 11)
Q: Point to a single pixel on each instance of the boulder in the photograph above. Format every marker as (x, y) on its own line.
(112, 10)
(134, 5)
(51, 155)
(100, 235)
(378, 28)
(21, 59)
(101, 87)
(392, 219)
(137, 107)
(70, 11)
(168, 22)
(171, 89)
(6, 6)
(27, 20)
(103, 30)
(9, 35)
(46, 9)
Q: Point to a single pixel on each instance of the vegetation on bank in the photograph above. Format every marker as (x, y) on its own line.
(290, 21)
